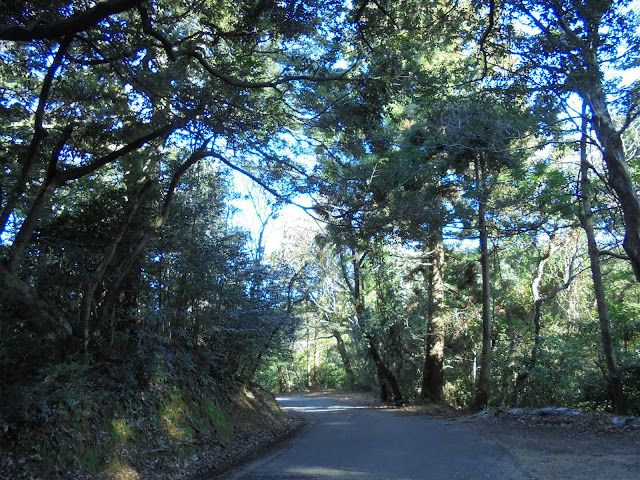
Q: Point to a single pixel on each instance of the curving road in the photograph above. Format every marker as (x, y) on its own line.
(344, 442)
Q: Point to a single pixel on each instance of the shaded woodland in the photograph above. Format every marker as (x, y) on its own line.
(474, 234)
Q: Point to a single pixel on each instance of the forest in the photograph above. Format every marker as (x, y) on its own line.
(469, 173)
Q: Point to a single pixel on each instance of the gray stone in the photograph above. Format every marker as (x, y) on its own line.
(620, 421)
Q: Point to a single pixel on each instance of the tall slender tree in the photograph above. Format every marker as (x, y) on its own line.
(618, 395)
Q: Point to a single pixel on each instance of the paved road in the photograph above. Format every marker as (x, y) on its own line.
(344, 442)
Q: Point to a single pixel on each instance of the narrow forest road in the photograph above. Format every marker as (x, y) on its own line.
(344, 441)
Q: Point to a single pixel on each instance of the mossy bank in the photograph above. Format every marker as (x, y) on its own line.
(78, 422)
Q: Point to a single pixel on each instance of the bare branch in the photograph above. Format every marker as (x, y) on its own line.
(257, 180)
(613, 254)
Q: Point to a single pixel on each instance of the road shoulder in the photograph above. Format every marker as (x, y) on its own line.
(560, 449)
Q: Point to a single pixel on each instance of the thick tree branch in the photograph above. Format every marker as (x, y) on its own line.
(78, 172)
(56, 179)
(613, 254)
(149, 30)
(23, 237)
(234, 82)
(40, 30)
(485, 36)
(39, 132)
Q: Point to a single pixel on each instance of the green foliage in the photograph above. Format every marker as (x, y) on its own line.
(80, 421)
(104, 114)
(129, 302)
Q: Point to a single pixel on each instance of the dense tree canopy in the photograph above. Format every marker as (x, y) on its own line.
(114, 103)
(469, 211)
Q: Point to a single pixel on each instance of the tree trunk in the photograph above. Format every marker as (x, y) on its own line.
(308, 350)
(36, 311)
(386, 376)
(433, 376)
(618, 396)
(24, 235)
(281, 388)
(346, 362)
(535, 318)
(127, 264)
(533, 359)
(511, 361)
(614, 156)
(482, 393)
(98, 274)
(316, 358)
(538, 301)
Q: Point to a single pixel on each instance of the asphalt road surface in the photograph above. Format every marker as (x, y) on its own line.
(349, 442)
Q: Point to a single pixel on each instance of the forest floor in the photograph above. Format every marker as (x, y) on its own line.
(546, 443)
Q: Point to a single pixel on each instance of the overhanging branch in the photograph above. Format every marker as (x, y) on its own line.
(40, 30)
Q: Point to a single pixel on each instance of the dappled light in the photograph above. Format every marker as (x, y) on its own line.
(119, 471)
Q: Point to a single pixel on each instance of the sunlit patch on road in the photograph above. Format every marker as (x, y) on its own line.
(311, 408)
(325, 472)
